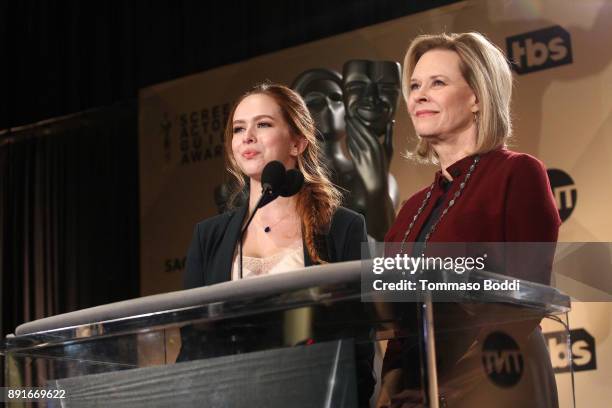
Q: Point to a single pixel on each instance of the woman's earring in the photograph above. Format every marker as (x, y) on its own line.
(296, 149)
(476, 118)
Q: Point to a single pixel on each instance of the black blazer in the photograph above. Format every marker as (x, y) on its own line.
(211, 252)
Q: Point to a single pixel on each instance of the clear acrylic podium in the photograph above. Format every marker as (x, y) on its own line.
(308, 338)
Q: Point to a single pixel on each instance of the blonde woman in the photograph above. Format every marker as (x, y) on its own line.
(457, 88)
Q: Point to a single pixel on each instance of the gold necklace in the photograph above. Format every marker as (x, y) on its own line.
(268, 227)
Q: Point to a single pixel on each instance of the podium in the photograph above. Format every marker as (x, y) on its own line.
(308, 338)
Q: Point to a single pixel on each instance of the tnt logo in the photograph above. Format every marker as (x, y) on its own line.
(582, 348)
(502, 359)
(564, 190)
(541, 49)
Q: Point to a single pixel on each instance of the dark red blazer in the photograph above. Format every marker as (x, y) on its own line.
(507, 199)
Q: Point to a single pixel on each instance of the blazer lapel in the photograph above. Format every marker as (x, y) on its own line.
(227, 249)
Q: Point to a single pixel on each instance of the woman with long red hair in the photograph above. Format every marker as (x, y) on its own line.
(271, 122)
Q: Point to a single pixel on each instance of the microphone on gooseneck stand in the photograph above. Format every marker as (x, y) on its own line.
(272, 181)
(293, 183)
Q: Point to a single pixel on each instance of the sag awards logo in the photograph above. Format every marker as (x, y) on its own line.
(172, 265)
(502, 359)
(564, 191)
(582, 349)
(541, 49)
(194, 136)
(166, 127)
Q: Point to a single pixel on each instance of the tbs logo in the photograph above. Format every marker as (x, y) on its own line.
(540, 49)
(582, 347)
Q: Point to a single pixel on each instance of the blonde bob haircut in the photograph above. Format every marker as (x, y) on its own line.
(487, 72)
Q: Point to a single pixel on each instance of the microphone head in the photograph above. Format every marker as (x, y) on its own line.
(273, 177)
(294, 181)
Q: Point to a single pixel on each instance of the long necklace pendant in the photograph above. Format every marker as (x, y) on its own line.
(448, 207)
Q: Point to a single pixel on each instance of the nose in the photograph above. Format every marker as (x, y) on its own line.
(249, 136)
(419, 95)
(371, 91)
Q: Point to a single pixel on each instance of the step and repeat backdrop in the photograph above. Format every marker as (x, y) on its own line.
(562, 109)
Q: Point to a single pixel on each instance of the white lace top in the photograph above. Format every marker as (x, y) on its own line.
(285, 261)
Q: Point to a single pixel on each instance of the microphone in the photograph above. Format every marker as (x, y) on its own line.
(294, 181)
(273, 178)
(273, 182)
